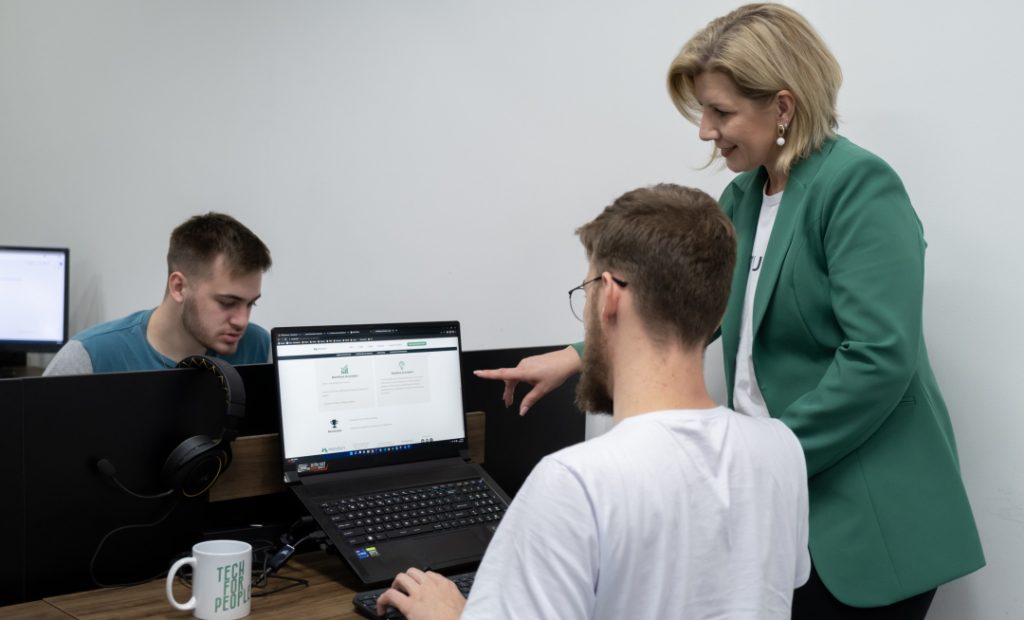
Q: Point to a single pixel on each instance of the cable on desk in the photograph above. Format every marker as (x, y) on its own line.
(275, 561)
(271, 563)
(296, 582)
(260, 580)
(99, 546)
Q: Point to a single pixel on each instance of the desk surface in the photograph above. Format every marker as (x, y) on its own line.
(325, 597)
(20, 371)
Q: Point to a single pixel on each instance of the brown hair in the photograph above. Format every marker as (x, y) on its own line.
(763, 49)
(197, 243)
(676, 249)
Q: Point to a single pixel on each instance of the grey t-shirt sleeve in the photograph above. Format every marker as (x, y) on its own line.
(72, 359)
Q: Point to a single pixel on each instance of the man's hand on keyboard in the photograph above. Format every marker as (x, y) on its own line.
(423, 596)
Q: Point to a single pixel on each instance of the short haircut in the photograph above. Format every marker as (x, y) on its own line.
(763, 49)
(197, 243)
(676, 249)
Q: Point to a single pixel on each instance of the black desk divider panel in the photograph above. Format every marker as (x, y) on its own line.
(134, 420)
(57, 506)
(12, 508)
(514, 443)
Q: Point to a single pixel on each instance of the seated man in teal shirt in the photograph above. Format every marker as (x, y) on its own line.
(215, 271)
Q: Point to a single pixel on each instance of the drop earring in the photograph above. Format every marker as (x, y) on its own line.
(781, 140)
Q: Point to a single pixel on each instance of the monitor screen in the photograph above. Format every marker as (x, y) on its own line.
(360, 395)
(33, 299)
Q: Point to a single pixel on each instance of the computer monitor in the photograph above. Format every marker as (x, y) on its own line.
(33, 302)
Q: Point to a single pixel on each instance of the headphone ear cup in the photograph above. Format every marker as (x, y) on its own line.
(198, 462)
(195, 465)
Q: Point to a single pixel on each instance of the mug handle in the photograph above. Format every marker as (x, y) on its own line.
(191, 604)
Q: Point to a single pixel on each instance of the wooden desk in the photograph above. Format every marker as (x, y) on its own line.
(324, 598)
(20, 371)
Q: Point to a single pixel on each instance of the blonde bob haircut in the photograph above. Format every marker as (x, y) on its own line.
(763, 49)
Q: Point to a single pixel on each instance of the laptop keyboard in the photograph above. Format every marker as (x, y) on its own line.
(375, 517)
(366, 602)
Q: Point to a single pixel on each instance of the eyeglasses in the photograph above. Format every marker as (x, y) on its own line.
(578, 295)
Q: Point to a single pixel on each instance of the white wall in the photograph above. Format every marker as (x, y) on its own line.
(408, 159)
(402, 159)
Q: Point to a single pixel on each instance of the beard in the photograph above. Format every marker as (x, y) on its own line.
(193, 325)
(592, 394)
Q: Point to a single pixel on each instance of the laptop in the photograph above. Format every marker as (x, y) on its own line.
(374, 445)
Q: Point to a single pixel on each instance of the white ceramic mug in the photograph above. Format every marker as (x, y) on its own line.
(221, 580)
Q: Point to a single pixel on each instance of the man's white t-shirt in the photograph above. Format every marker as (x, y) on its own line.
(672, 514)
(746, 395)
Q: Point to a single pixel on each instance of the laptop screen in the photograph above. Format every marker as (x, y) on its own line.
(367, 395)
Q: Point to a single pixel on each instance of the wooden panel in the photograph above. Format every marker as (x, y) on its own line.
(256, 462)
(255, 469)
(475, 433)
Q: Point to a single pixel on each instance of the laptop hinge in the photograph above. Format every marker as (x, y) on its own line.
(291, 477)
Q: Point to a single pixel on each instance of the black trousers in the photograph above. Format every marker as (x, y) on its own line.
(813, 601)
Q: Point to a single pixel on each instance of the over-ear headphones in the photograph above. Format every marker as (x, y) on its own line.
(196, 464)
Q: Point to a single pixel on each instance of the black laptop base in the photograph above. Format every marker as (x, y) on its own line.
(376, 561)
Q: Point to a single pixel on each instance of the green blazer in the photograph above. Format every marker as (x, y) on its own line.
(840, 358)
